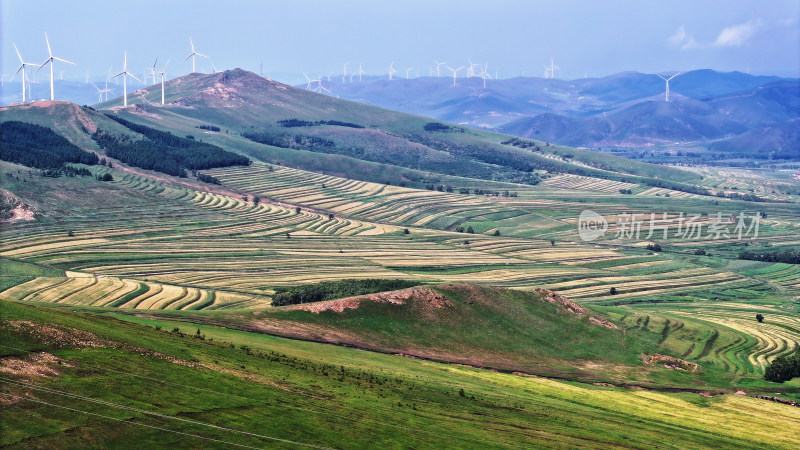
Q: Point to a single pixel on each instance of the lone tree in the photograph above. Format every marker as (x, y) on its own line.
(612, 291)
(759, 318)
(553, 242)
(497, 232)
(297, 210)
(470, 230)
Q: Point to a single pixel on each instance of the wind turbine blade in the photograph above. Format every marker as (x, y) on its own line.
(659, 76)
(20, 56)
(200, 54)
(187, 58)
(154, 64)
(121, 73)
(95, 86)
(48, 45)
(134, 77)
(41, 66)
(674, 76)
(15, 73)
(64, 60)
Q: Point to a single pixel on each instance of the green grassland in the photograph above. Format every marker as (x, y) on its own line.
(145, 250)
(120, 384)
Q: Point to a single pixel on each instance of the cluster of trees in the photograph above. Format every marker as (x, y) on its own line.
(654, 247)
(783, 368)
(522, 143)
(441, 128)
(329, 290)
(297, 123)
(164, 152)
(67, 171)
(40, 147)
(208, 178)
(297, 142)
(209, 128)
(790, 256)
(741, 196)
(448, 188)
(625, 191)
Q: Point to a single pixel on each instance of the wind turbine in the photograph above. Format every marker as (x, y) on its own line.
(438, 65)
(125, 75)
(193, 54)
(107, 90)
(22, 65)
(666, 94)
(552, 69)
(344, 72)
(51, 60)
(408, 70)
(99, 93)
(391, 70)
(484, 75)
(455, 71)
(471, 70)
(360, 72)
(153, 71)
(163, 73)
(308, 86)
(213, 67)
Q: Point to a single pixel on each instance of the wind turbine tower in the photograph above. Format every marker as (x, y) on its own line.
(360, 72)
(22, 65)
(438, 65)
(125, 75)
(51, 60)
(484, 74)
(193, 54)
(163, 73)
(391, 70)
(344, 72)
(666, 93)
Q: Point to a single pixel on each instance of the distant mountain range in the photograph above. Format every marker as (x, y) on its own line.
(707, 110)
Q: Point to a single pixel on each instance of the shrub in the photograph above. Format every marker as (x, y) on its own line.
(329, 290)
(783, 368)
(612, 291)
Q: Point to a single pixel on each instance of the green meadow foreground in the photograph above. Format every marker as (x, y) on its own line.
(139, 310)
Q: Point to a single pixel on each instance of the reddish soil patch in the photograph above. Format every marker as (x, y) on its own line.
(32, 367)
(603, 323)
(557, 299)
(671, 362)
(74, 338)
(424, 295)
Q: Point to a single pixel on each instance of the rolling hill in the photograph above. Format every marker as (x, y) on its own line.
(356, 140)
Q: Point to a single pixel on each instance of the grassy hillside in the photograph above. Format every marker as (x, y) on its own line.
(68, 378)
(242, 102)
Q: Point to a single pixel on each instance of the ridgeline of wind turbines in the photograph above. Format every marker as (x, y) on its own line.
(27, 80)
(316, 85)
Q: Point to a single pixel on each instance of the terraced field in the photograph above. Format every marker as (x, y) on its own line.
(722, 334)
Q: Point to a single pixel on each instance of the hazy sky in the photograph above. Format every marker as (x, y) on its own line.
(593, 38)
